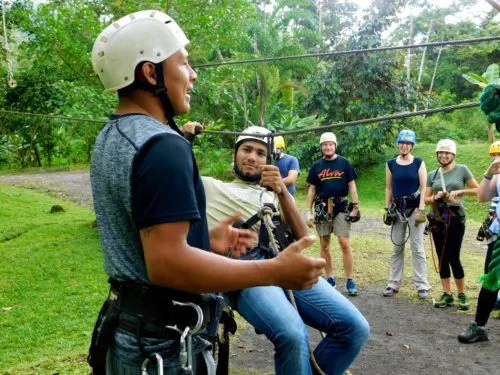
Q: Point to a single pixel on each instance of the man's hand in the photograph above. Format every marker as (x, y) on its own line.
(230, 241)
(271, 178)
(295, 270)
(192, 127)
(309, 219)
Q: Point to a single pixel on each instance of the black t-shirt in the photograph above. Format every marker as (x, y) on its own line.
(331, 177)
(166, 187)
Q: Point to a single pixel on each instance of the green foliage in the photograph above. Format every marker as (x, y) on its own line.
(52, 281)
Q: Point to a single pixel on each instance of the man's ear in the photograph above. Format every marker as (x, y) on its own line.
(147, 73)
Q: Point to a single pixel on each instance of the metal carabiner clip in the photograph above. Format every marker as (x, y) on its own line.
(159, 364)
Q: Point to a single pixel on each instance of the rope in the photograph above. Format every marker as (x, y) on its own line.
(350, 52)
(10, 73)
(395, 116)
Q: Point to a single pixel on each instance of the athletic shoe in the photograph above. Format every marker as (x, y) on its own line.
(331, 281)
(496, 306)
(445, 300)
(350, 285)
(423, 293)
(463, 301)
(389, 292)
(473, 333)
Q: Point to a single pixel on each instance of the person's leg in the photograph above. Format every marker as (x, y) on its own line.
(327, 310)
(418, 254)
(487, 298)
(325, 254)
(398, 236)
(441, 243)
(269, 311)
(455, 237)
(345, 246)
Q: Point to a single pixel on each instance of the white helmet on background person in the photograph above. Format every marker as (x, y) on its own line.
(328, 137)
(148, 35)
(253, 133)
(446, 145)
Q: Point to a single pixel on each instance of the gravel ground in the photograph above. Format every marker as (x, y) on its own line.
(407, 338)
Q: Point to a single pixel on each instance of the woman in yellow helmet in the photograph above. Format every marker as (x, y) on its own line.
(489, 189)
(287, 164)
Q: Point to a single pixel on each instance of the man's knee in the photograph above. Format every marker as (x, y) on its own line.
(290, 336)
(345, 243)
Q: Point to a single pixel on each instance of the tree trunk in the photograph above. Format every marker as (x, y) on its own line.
(433, 77)
(491, 133)
(422, 62)
(408, 60)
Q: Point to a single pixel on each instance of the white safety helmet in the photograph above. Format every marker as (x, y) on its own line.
(447, 145)
(328, 137)
(252, 134)
(148, 35)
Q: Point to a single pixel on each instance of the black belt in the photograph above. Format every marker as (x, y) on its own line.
(147, 330)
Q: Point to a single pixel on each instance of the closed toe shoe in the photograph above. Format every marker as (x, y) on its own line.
(389, 292)
(331, 281)
(352, 290)
(473, 333)
(445, 300)
(423, 293)
(463, 301)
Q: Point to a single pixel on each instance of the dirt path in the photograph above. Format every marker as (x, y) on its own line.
(407, 338)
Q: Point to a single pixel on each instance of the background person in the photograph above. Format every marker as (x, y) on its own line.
(268, 308)
(489, 189)
(446, 187)
(287, 164)
(405, 178)
(330, 180)
(150, 207)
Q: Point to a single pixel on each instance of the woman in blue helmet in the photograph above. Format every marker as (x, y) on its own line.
(405, 178)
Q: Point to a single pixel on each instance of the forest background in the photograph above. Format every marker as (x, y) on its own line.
(47, 60)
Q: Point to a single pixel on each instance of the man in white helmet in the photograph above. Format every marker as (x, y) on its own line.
(268, 308)
(150, 208)
(330, 180)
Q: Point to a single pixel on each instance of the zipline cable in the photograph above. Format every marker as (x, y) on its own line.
(395, 116)
(350, 52)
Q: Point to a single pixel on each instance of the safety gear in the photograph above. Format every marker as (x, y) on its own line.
(420, 216)
(353, 218)
(254, 133)
(328, 137)
(148, 35)
(407, 136)
(309, 219)
(447, 145)
(494, 148)
(279, 142)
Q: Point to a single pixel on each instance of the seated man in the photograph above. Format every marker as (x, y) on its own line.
(268, 308)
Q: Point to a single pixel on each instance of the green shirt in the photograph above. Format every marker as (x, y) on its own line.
(456, 179)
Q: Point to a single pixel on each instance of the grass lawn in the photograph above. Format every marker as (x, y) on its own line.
(52, 282)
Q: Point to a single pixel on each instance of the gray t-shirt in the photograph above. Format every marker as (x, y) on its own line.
(456, 179)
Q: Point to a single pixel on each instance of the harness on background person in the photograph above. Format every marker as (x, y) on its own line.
(154, 312)
(325, 209)
(399, 211)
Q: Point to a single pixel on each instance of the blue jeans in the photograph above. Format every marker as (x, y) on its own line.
(321, 307)
(125, 357)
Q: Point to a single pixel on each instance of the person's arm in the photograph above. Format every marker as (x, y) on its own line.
(353, 192)
(488, 186)
(422, 179)
(388, 186)
(311, 193)
(271, 178)
(428, 198)
(291, 178)
(171, 262)
(472, 186)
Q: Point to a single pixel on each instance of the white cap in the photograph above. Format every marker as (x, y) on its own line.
(252, 134)
(447, 145)
(148, 35)
(328, 137)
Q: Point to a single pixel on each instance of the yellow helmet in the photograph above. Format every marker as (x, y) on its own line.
(494, 148)
(279, 142)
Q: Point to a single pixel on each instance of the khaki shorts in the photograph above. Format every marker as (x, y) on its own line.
(338, 226)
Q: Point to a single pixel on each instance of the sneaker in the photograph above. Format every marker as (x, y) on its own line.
(445, 300)
(423, 293)
(331, 281)
(389, 292)
(463, 301)
(350, 285)
(473, 333)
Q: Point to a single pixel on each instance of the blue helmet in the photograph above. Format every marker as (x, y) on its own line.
(407, 136)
